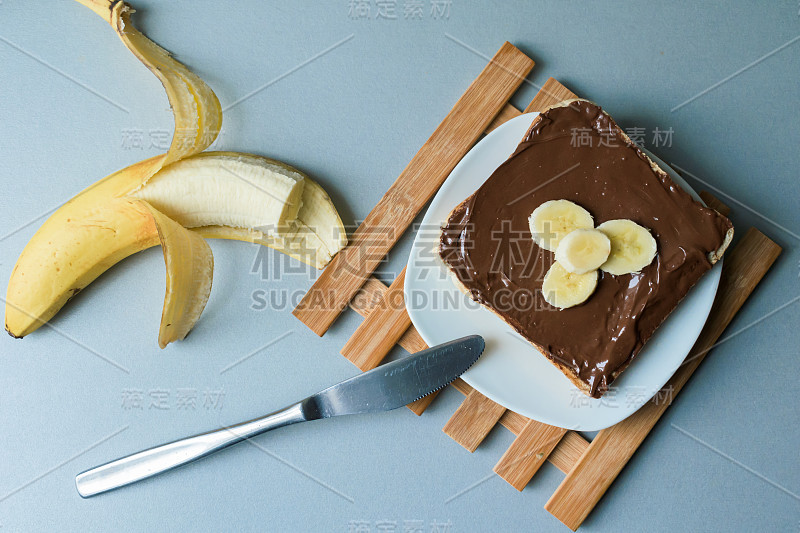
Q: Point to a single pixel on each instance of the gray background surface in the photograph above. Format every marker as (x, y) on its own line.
(725, 455)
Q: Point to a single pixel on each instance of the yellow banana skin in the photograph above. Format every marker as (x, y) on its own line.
(81, 240)
(187, 254)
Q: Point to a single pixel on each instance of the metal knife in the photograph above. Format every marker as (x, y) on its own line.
(385, 388)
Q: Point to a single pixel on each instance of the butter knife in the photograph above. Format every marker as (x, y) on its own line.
(385, 388)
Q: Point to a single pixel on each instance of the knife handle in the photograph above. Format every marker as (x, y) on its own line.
(162, 458)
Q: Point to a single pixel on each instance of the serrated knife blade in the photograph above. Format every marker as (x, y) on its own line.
(401, 382)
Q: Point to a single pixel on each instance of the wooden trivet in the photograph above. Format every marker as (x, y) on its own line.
(590, 467)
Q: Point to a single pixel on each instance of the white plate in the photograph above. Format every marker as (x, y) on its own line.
(512, 372)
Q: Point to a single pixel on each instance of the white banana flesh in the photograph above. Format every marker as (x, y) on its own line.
(632, 247)
(563, 289)
(314, 238)
(583, 250)
(236, 190)
(555, 219)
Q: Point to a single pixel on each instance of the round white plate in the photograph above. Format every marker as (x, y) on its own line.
(511, 371)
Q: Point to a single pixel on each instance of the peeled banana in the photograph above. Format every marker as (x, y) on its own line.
(555, 219)
(222, 195)
(313, 238)
(226, 189)
(85, 237)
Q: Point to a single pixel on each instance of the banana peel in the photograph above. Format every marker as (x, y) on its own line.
(185, 252)
(106, 223)
(198, 114)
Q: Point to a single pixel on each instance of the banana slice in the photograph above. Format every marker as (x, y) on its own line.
(583, 250)
(555, 219)
(632, 246)
(564, 289)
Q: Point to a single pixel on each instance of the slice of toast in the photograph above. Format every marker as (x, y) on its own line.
(575, 151)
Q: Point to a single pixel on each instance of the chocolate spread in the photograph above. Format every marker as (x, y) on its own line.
(578, 153)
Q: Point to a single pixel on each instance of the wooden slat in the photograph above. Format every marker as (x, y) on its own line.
(712, 202)
(568, 451)
(368, 296)
(513, 421)
(365, 301)
(462, 386)
(611, 449)
(423, 176)
(528, 453)
(381, 330)
(411, 341)
(473, 420)
(551, 93)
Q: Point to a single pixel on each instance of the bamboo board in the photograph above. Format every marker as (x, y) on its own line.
(590, 467)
